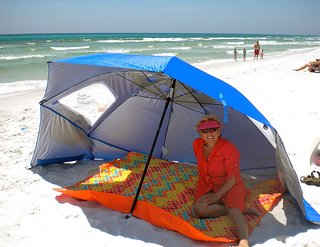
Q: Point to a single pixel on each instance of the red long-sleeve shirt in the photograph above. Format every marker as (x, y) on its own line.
(223, 162)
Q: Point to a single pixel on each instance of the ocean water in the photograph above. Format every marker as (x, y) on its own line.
(24, 57)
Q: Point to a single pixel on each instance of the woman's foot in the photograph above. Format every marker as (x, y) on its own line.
(243, 243)
(251, 211)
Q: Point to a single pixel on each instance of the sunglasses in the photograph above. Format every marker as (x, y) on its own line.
(209, 130)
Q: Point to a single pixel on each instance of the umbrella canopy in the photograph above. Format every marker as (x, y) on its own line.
(138, 88)
(103, 106)
(144, 104)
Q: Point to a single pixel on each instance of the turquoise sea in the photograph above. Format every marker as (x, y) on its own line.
(25, 56)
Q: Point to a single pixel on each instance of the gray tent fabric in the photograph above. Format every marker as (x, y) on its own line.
(131, 121)
(103, 106)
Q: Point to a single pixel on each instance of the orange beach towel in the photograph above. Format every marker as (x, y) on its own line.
(167, 196)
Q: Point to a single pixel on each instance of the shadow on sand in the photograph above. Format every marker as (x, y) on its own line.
(279, 224)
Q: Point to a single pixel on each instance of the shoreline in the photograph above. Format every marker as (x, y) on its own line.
(220, 63)
(40, 70)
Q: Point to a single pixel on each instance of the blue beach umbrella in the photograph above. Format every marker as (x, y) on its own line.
(146, 104)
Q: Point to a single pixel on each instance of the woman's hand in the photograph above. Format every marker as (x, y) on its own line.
(210, 198)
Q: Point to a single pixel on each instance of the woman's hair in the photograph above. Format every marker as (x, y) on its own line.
(206, 118)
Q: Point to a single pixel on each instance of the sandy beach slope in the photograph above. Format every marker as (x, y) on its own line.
(33, 214)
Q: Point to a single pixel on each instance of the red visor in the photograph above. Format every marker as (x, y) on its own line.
(208, 125)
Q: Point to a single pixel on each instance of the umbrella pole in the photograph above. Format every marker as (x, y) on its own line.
(168, 100)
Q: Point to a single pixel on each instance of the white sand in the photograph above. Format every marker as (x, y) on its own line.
(33, 214)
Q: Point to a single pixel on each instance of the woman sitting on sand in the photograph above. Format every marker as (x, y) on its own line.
(220, 189)
(313, 66)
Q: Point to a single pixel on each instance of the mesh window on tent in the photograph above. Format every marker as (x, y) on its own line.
(90, 102)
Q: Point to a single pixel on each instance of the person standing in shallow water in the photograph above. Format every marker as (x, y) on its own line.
(220, 190)
(244, 54)
(261, 54)
(256, 50)
(235, 54)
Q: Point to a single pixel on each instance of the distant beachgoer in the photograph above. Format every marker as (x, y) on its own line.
(313, 66)
(244, 52)
(235, 54)
(256, 50)
(261, 54)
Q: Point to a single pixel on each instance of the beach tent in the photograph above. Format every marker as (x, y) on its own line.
(104, 106)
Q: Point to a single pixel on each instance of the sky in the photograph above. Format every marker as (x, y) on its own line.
(165, 16)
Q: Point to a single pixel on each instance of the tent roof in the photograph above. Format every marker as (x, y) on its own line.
(126, 61)
(177, 69)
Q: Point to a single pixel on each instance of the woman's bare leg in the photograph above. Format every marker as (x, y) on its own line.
(204, 209)
(303, 67)
(251, 211)
(241, 225)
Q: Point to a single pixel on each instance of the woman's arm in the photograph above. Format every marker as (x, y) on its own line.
(226, 187)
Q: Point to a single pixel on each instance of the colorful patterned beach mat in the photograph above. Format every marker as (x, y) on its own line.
(167, 196)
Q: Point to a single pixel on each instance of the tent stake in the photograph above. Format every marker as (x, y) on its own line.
(168, 100)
